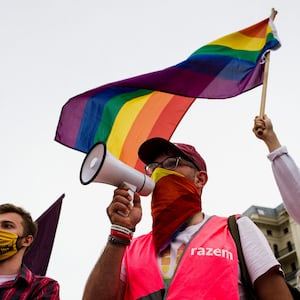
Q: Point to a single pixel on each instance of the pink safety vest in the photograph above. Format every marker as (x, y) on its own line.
(208, 268)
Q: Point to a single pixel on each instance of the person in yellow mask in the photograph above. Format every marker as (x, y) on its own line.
(188, 254)
(17, 233)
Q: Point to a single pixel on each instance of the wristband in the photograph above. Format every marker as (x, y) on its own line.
(120, 234)
(122, 229)
(114, 241)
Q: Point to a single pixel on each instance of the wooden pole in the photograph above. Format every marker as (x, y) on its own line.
(265, 79)
(265, 84)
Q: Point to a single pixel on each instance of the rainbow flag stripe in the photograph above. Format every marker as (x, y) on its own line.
(125, 113)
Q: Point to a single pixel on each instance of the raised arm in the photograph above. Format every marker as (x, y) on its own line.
(285, 170)
(104, 280)
(267, 134)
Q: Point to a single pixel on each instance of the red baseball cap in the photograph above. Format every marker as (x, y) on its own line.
(153, 147)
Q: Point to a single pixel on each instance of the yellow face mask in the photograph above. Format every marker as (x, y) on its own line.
(158, 173)
(8, 244)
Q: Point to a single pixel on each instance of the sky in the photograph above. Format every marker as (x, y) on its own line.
(53, 50)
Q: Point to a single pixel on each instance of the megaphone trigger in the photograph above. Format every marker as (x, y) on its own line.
(132, 189)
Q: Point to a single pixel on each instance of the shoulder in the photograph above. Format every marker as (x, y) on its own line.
(44, 280)
(250, 233)
(143, 237)
(246, 224)
(39, 287)
(44, 285)
(30, 276)
(258, 254)
(140, 241)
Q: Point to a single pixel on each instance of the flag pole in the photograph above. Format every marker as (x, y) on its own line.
(265, 79)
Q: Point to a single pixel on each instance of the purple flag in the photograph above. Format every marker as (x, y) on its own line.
(38, 256)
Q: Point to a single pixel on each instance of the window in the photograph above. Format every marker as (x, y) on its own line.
(269, 232)
(286, 230)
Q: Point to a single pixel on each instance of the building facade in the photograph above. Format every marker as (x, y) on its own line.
(283, 235)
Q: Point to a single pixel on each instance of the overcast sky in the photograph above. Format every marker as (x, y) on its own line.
(53, 50)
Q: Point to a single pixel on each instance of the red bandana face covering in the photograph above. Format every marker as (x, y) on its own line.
(175, 200)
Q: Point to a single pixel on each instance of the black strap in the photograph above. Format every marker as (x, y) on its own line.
(234, 230)
(294, 291)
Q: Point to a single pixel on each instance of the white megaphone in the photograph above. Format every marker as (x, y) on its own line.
(100, 165)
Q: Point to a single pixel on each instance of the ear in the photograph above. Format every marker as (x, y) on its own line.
(200, 179)
(26, 241)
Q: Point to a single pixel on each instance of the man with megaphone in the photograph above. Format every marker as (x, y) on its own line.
(188, 254)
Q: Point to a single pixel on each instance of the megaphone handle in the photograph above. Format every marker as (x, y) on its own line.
(132, 189)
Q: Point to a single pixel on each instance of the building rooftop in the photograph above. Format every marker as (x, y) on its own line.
(265, 211)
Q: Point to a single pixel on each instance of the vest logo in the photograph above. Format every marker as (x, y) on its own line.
(202, 251)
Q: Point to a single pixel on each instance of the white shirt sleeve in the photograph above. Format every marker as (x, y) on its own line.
(257, 252)
(287, 177)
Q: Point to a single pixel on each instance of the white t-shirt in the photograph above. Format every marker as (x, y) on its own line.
(6, 278)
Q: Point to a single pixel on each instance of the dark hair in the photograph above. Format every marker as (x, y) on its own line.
(30, 227)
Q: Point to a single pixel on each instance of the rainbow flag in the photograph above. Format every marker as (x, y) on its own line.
(125, 113)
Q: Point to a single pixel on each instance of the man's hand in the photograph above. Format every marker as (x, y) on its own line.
(122, 210)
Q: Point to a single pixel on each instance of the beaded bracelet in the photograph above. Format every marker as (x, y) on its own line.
(114, 241)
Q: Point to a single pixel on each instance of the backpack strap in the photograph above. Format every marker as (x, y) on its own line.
(234, 230)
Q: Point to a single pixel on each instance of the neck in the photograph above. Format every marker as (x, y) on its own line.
(11, 265)
(196, 219)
